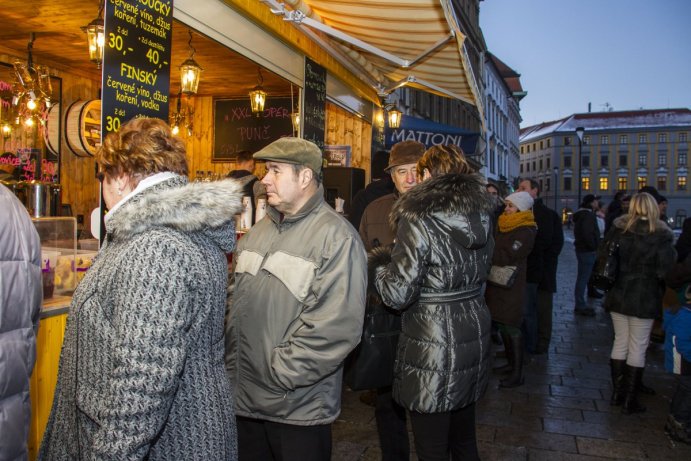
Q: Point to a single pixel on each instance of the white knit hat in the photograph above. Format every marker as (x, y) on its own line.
(522, 200)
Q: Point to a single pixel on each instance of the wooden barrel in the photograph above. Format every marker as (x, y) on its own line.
(83, 127)
(51, 134)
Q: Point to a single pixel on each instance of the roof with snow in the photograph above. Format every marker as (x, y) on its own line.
(622, 120)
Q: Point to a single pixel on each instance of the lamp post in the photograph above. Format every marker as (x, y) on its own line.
(579, 133)
(556, 187)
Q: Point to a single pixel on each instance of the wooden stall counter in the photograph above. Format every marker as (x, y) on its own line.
(51, 332)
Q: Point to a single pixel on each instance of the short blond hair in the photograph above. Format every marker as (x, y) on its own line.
(643, 207)
(142, 147)
(443, 159)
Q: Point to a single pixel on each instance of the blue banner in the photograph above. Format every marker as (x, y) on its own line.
(430, 134)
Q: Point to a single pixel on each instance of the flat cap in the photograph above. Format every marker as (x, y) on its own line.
(296, 151)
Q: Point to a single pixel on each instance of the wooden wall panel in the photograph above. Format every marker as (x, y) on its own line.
(344, 128)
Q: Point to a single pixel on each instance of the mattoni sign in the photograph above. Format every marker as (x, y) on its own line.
(431, 133)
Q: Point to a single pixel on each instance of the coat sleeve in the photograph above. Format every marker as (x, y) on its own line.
(557, 242)
(152, 314)
(330, 325)
(398, 283)
(666, 256)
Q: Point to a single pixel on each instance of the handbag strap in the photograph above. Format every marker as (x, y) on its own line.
(451, 296)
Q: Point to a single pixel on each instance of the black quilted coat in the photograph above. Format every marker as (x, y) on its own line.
(434, 274)
(644, 259)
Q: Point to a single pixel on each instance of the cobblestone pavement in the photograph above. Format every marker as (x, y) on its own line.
(562, 412)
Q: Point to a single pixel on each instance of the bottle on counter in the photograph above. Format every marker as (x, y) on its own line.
(246, 214)
(261, 210)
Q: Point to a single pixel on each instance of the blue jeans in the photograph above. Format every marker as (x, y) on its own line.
(681, 402)
(530, 317)
(586, 261)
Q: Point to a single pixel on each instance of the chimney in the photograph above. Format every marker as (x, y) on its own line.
(590, 104)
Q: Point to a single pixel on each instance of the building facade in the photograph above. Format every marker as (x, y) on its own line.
(619, 151)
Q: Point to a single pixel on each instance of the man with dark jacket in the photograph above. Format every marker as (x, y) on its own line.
(586, 234)
(244, 174)
(375, 231)
(542, 272)
(21, 296)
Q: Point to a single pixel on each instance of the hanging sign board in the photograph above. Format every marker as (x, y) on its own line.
(136, 61)
(314, 103)
(431, 133)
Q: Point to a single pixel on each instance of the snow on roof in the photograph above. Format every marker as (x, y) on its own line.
(622, 120)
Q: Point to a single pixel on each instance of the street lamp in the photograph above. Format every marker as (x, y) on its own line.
(579, 133)
(556, 187)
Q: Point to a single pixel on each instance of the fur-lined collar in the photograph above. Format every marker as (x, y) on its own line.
(641, 226)
(180, 205)
(445, 194)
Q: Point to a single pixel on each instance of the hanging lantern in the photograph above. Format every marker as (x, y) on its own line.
(395, 117)
(258, 96)
(95, 38)
(190, 71)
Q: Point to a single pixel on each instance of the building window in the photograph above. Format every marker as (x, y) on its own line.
(585, 183)
(642, 182)
(661, 159)
(521, 168)
(528, 147)
(540, 164)
(549, 142)
(604, 183)
(567, 161)
(642, 159)
(522, 149)
(682, 159)
(622, 183)
(682, 137)
(681, 183)
(586, 140)
(623, 139)
(662, 137)
(541, 145)
(534, 169)
(623, 160)
(642, 138)
(549, 184)
(662, 183)
(541, 185)
(549, 161)
(567, 183)
(567, 140)
(604, 140)
(604, 160)
(585, 161)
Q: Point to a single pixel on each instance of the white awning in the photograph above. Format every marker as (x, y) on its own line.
(395, 43)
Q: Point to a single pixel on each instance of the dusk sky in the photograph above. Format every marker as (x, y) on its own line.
(630, 54)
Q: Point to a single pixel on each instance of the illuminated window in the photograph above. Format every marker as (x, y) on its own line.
(585, 183)
(604, 183)
(642, 182)
(622, 183)
(681, 183)
(662, 183)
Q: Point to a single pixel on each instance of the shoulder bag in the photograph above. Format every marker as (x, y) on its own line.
(607, 265)
(502, 276)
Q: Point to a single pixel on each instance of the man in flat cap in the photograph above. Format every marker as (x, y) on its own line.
(295, 311)
(375, 230)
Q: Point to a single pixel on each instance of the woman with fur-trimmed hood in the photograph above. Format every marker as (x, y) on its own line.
(434, 274)
(142, 372)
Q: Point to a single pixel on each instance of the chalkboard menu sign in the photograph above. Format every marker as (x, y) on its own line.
(236, 128)
(314, 103)
(136, 61)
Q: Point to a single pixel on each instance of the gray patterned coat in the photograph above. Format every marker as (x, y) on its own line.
(436, 270)
(141, 371)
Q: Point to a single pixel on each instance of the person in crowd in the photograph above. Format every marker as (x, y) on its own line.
(244, 174)
(614, 209)
(541, 275)
(21, 295)
(382, 184)
(586, 234)
(375, 231)
(434, 274)
(646, 253)
(493, 190)
(677, 324)
(141, 371)
(295, 311)
(660, 199)
(515, 239)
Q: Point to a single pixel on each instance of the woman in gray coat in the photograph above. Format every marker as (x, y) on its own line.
(20, 304)
(142, 374)
(434, 274)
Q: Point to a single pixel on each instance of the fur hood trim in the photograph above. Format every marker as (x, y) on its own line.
(449, 193)
(178, 204)
(642, 228)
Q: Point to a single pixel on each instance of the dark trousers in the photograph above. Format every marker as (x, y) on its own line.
(681, 402)
(260, 440)
(439, 434)
(545, 303)
(391, 426)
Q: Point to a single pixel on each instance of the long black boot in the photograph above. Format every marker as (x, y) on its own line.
(504, 369)
(617, 367)
(515, 379)
(631, 382)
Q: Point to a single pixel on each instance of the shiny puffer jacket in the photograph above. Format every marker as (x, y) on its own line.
(434, 274)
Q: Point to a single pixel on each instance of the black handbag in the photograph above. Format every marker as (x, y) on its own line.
(371, 364)
(607, 266)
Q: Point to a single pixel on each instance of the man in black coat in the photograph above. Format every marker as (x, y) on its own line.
(542, 272)
(586, 234)
(381, 185)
